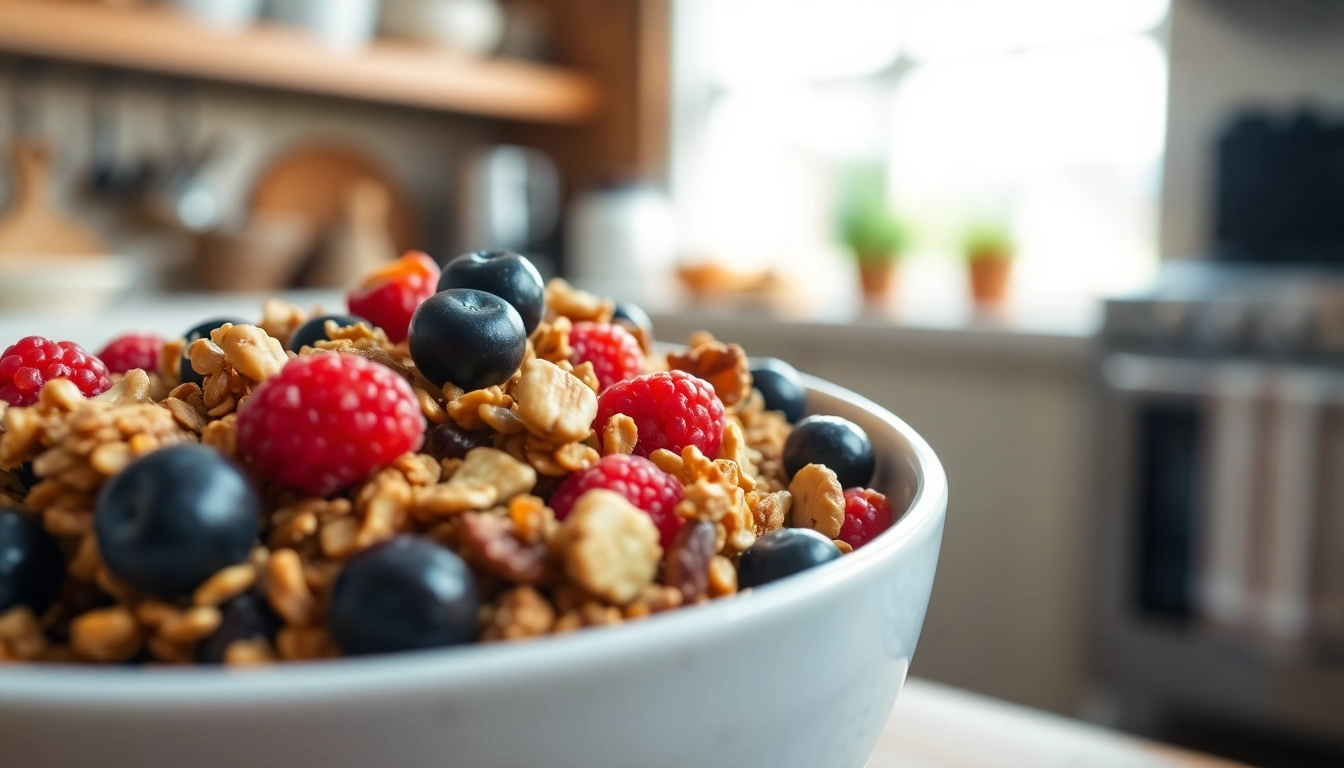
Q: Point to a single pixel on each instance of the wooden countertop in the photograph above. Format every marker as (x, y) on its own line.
(934, 726)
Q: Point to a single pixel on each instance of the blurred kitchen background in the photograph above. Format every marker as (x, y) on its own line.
(1092, 251)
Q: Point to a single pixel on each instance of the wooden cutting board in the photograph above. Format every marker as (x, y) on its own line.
(32, 225)
(314, 181)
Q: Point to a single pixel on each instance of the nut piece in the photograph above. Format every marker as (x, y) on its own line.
(770, 511)
(724, 366)
(133, 388)
(554, 405)
(818, 500)
(611, 546)
(251, 351)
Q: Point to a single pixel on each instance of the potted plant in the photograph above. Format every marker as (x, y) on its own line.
(989, 256)
(872, 233)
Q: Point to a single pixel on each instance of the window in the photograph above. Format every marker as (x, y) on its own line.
(1046, 116)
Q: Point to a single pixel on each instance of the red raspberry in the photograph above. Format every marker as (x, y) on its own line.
(327, 420)
(134, 350)
(637, 479)
(867, 513)
(388, 297)
(613, 351)
(32, 362)
(672, 410)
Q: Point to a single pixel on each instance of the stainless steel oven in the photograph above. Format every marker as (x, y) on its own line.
(1219, 523)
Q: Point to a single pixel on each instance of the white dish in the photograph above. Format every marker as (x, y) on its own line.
(802, 673)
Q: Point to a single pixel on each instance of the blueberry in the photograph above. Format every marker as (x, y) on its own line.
(175, 517)
(31, 568)
(184, 370)
(633, 318)
(780, 385)
(245, 617)
(507, 275)
(449, 441)
(783, 553)
(838, 443)
(315, 330)
(403, 595)
(468, 337)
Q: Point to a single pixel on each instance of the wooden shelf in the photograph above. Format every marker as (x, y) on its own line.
(161, 40)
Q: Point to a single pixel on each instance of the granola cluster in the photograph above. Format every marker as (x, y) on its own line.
(602, 565)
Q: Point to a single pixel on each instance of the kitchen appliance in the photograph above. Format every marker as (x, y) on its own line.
(1219, 553)
(509, 200)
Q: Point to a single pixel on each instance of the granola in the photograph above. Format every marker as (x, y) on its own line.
(602, 562)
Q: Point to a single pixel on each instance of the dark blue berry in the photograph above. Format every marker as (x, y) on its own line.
(403, 595)
(31, 568)
(245, 617)
(184, 370)
(838, 443)
(315, 330)
(634, 319)
(468, 337)
(507, 275)
(173, 518)
(780, 385)
(449, 441)
(783, 553)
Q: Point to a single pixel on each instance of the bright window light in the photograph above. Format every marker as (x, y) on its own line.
(942, 29)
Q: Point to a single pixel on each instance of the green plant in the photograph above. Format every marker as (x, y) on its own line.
(988, 241)
(867, 225)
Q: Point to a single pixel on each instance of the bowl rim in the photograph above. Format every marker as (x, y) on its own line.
(485, 665)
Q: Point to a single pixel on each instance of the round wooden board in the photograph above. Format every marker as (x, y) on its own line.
(310, 181)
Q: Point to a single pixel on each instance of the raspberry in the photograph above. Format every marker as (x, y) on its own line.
(672, 410)
(867, 513)
(637, 479)
(614, 353)
(30, 363)
(327, 420)
(134, 350)
(388, 297)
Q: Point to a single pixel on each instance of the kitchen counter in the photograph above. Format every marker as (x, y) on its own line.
(934, 726)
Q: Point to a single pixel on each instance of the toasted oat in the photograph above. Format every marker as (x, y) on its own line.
(620, 435)
(222, 435)
(553, 404)
(241, 653)
(225, 585)
(107, 635)
(304, 643)
(280, 319)
(133, 388)
(818, 500)
(286, 589)
(486, 477)
(550, 340)
(611, 546)
(733, 448)
(170, 357)
(520, 614)
(724, 366)
(654, 598)
(575, 457)
(564, 300)
(21, 634)
(722, 577)
(251, 351)
(465, 407)
(844, 546)
(190, 625)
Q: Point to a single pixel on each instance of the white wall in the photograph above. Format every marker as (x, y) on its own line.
(1222, 60)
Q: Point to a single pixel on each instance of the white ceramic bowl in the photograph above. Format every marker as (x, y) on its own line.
(800, 673)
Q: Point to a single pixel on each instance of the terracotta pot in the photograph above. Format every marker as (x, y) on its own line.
(878, 279)
(989, 280)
